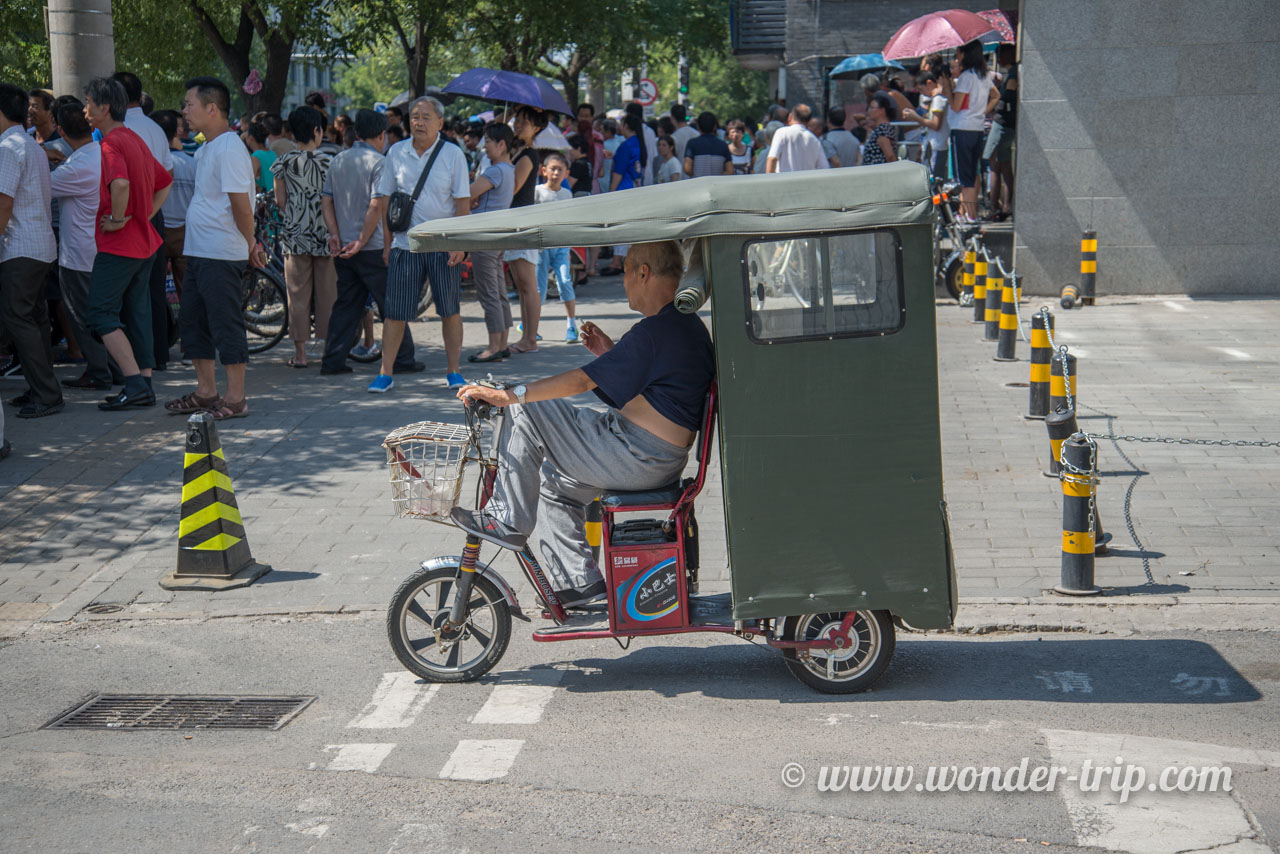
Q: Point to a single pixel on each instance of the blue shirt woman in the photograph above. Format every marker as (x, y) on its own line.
(626, 163)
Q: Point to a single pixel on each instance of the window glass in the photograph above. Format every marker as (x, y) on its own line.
(823, 287)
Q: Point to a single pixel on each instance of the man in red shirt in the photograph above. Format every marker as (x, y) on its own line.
(133, 187)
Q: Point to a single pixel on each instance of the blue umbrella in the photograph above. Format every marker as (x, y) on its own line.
(509, 87)
(863, 63)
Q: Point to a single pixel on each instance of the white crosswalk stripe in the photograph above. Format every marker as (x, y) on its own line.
(480, 760)
(397, 702)
(358, 757)
(519, 704)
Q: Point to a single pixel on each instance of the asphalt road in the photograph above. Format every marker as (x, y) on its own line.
(672, 746)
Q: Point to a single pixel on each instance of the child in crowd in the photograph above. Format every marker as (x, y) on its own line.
(492, 191)
(555, 167)
(579, 180)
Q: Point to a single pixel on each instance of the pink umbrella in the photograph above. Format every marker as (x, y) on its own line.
(1002, 22)
(936, 31)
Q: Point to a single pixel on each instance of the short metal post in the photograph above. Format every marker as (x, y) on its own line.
(966, 276)
(991, 311)
(1061, 424)
(1088, 267)
(1007, 344)
(1041, 351)
(1079, 463)
(1058, 385)
(979, 289)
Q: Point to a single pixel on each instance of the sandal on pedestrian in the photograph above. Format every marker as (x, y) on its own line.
(190, 403)
(293, 363)
(516, 348)
(224, 409)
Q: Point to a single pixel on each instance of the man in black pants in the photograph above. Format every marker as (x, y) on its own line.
(359, 242)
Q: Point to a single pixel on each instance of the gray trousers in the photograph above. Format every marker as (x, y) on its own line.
(75, 290)
(491, 290)
(554, 459)
(24, 312)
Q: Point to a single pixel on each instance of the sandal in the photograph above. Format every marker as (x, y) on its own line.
(516, 348)
(189, 403)
(293, 363)
(224, 409)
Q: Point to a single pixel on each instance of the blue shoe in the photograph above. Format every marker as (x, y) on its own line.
(381, 384)
(451, 380)
(571, 333)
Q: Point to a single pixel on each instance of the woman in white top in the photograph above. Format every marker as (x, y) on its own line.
(667, 167)
(970, 95)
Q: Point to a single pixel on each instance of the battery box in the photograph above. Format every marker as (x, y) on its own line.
(644, 575)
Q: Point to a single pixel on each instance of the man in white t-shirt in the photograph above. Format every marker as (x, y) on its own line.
(794, 148)
(142, 124)
(219, 241)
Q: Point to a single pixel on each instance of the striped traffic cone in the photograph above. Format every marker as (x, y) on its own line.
(213, 551)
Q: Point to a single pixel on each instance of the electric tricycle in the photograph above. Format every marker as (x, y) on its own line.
(824, 413)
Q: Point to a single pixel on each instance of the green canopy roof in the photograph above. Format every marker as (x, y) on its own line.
(787, 203)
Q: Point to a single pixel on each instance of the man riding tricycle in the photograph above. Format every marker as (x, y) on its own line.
(821, 384)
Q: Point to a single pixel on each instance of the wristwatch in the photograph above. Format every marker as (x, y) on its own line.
(519, 392)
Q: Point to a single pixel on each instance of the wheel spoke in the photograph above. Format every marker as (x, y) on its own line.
(445, 587)
(422, 643)
(419, 612)
(480, 635)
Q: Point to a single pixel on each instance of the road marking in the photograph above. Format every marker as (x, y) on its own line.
(1156, 822)
(1066, 681)
(1200, 684)
(396, 703)
(989, 726)
(358, 757)
(1176, 306)
(481, 760)
(519, 704)
(310, 827)
(1233, 353)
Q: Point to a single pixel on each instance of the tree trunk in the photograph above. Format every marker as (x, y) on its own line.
(235, 55)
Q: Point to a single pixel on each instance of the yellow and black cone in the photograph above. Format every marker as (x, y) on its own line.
(213, 551)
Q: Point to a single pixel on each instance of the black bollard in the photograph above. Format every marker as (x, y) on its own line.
(1088, 267)
(1041, 351)
(1007, 343)
(979, 289)
(1058, 384)
(1061, 424)
(991, 311)
(966, 277)
(1079, 521)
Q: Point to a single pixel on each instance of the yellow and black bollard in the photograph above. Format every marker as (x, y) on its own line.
(1062, 389)
(1041, 351)
(1007, 344)
(966, 276)
(1088, 267)
(595, 519)
(1070, 295)
(979, 288)
(991, 310)
(1079, 516)
(1061, 424)
(213, 551)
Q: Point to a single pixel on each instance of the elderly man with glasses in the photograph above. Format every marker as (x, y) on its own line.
(429, 166)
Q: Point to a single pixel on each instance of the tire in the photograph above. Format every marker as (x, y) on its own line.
(422, 602)
(265, 308)
(951, 276)
(847, 671)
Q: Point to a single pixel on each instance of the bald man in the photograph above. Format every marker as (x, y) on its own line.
(555, 458)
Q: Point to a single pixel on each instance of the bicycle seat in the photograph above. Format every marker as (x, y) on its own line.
(666, 496)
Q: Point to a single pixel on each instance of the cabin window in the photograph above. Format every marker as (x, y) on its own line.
(826, 286)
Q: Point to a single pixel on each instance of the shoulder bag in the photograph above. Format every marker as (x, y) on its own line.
(400, 205)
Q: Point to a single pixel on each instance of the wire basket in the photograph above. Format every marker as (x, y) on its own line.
(426, 462)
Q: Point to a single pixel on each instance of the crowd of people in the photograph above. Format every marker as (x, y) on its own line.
(102, 198)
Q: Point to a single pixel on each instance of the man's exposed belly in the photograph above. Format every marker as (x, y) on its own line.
(642, 414)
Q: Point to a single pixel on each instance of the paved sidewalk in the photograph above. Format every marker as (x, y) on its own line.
(90, 499)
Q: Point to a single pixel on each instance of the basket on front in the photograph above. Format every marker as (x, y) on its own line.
(426, 462)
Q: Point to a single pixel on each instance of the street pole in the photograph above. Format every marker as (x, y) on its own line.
(81, 44)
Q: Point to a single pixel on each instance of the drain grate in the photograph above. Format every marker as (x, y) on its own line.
(152, 711)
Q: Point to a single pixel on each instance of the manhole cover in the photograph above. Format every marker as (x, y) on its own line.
(152, 711)
(105, 608)
(1016, 385)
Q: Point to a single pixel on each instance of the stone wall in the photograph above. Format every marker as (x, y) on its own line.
(1152, 122)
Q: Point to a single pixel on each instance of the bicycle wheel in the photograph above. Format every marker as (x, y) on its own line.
(265, 308)
(426, 646)
(424, 302)
(840, 671)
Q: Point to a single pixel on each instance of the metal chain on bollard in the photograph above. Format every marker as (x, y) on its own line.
(1009, 276)
(1066, 375)
(1048, 327)
(1071, 474)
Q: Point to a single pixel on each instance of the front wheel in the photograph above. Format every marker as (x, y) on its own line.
(420, 634)
(840, 671)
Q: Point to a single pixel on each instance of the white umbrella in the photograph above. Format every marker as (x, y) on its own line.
(551, 139)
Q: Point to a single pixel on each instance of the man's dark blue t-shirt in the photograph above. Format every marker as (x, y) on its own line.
(709, 154)
(667, 358)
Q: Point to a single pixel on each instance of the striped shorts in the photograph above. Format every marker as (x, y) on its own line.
(406, 274)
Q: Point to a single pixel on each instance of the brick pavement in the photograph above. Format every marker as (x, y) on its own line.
(90, 499)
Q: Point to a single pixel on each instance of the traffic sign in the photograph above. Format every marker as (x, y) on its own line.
(647, 92)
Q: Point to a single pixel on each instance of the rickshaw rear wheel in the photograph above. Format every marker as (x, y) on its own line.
(951, 276)
(425, 643)
(840, 671)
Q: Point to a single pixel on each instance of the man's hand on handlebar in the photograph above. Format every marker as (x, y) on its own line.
(594, 339)
(471, 393)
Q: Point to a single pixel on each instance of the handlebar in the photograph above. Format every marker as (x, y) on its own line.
(479, 409)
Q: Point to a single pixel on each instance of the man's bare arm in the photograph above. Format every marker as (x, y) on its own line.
(567, 384)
